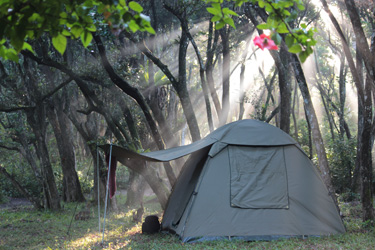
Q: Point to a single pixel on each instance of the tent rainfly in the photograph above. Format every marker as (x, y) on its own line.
(246, 180)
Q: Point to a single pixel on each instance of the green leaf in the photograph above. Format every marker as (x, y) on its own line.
(59, 42)
(228, 11)
(229, 21)
(277, 38)
(86, 38)
(282, 29)
(289, 40)
(303, 56)
(76, 31)
(300, 7)
(219, 25)
(214, 11)
(215, 18)
(65, 32)
(135, 6)
(150, 30)
(273, 21)
(263, 26)
(216, 6)
(133, 26)
(122, 2)
(91, 28)
(11, 54)
(28, 47)
(296, 48)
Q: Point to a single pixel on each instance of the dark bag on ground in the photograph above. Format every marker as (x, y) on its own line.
(151, 225)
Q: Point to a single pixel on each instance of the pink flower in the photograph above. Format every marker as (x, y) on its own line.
(265, 42)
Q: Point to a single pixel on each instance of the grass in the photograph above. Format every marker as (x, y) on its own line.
(26, 228)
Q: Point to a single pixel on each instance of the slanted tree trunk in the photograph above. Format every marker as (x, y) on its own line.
(37, 122)
(211, 48)
(63, 132)
(185, 29)
(182, 91)
(316, 135)
(180, 84)
(225, 106)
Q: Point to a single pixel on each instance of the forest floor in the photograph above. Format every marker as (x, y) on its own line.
(23, 227)
(15, 203)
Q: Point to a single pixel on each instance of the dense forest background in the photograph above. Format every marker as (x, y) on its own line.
(154, 91)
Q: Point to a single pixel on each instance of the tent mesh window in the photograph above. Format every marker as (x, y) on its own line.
(258, 177)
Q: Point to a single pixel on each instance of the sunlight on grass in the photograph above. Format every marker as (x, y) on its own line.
(30, 229)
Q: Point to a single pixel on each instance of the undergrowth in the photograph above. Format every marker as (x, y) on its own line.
(26, 228)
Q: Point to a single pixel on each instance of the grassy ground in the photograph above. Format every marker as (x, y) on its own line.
(25, 228)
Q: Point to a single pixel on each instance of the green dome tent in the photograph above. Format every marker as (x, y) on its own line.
(246, 180)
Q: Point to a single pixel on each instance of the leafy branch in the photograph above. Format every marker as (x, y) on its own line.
(280, 13)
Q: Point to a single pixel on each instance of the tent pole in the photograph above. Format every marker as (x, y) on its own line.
(106, 192)
(98, 181)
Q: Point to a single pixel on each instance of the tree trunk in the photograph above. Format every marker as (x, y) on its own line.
(282, 64)
(366, 156)
(185, 28)
(135, 190)
(225, 102)
(182, 90)
(37, 122)
(294, 111)
(342, 92)
(63, 132)
(316, 135)
(211, 47)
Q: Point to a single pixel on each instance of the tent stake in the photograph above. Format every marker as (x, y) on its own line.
(106, 192)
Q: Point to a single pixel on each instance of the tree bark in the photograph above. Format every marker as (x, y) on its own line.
(225, 102)
(63, 132)
(37, 123)
(180, 84)
(282, 65)
(211, 48)
(366, 156)
(316, 135)
(185, 28)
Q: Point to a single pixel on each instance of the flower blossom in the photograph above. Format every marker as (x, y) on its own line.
(265, 42)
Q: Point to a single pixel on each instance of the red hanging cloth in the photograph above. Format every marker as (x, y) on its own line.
(112, 175)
